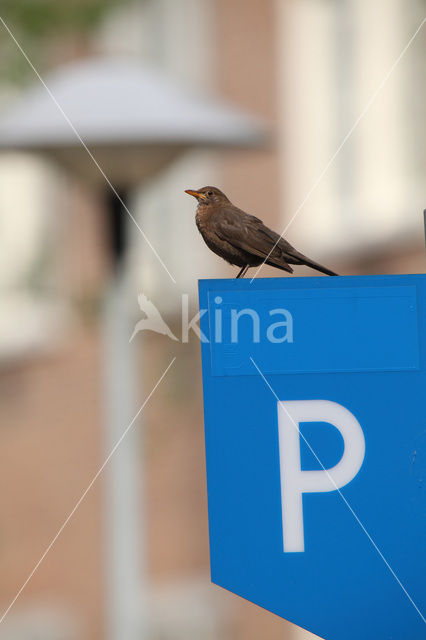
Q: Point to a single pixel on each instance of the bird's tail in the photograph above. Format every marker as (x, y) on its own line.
(299, 258)
(319, 267)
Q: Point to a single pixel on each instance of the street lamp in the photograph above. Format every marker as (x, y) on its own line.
(115, 123)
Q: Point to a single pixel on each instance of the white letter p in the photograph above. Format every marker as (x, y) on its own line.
(294, 481)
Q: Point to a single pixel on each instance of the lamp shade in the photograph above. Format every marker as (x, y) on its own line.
(133, 119)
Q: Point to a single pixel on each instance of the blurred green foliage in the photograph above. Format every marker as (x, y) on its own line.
(36, 24)
(43, 17)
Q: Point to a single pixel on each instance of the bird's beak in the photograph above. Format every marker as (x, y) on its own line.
(196, 194)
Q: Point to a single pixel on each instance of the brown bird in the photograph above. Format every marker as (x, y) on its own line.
(242, 239)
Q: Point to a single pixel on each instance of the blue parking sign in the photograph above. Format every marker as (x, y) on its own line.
(315, 429)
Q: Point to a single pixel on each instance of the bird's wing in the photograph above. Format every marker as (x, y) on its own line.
(147, 306)
(248, 233)
(142, 299)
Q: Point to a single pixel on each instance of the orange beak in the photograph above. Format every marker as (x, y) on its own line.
(196, 194)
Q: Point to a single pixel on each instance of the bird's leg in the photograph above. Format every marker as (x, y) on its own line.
(240, 273)
(243, 271)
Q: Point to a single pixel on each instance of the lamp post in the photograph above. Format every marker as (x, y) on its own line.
(113, 122)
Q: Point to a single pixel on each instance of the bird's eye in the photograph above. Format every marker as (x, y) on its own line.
(209, 193)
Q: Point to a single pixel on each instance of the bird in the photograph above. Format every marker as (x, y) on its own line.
(242, 239)
(153, 320)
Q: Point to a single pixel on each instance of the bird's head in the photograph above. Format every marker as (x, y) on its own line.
(208, 195)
